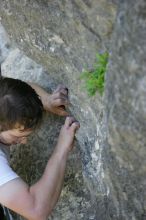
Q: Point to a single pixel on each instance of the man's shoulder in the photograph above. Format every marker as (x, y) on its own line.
(6, 172)
(4, 150)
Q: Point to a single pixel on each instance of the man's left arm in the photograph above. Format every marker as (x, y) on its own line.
(55, 102)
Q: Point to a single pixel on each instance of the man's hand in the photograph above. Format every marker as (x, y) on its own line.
(55, 102)
(67, 134)
(58, 101)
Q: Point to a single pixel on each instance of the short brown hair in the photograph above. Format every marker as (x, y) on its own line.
(19, 104)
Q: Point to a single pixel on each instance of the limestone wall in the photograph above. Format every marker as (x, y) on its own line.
(51, 42)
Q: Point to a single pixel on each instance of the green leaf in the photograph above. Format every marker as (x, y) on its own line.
(94, 80)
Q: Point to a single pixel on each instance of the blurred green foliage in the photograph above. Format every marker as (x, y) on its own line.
(94, 80)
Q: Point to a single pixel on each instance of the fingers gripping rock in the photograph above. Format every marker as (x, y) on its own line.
(75, 126)
(69, 120)
(72, 123)
(62, 89)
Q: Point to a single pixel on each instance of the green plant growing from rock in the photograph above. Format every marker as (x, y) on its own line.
(94, 79)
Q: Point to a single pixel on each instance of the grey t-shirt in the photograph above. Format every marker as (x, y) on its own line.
(6, 172)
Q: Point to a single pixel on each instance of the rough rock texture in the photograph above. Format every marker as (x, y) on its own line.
(126, 112)
(64, 37)
(75, 197)
(106, 177)
(4, 44)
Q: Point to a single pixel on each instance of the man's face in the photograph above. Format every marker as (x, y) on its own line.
(15, 136)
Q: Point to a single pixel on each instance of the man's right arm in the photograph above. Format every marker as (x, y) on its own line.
(36, 202)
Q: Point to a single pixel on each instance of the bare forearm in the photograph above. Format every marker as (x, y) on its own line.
(36, 202)
(56, 102)
(41, 92)
(47, 190)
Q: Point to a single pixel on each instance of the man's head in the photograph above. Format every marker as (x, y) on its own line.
(21, 110)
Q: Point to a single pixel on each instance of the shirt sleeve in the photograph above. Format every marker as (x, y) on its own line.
(6, 172)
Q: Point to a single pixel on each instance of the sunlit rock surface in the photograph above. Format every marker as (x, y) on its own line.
(106, 174)
(126, 112)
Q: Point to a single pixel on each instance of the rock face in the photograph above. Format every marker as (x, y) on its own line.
(106, 175)
(126, 112)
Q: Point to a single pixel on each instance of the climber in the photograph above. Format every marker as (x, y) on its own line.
(21, 110)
